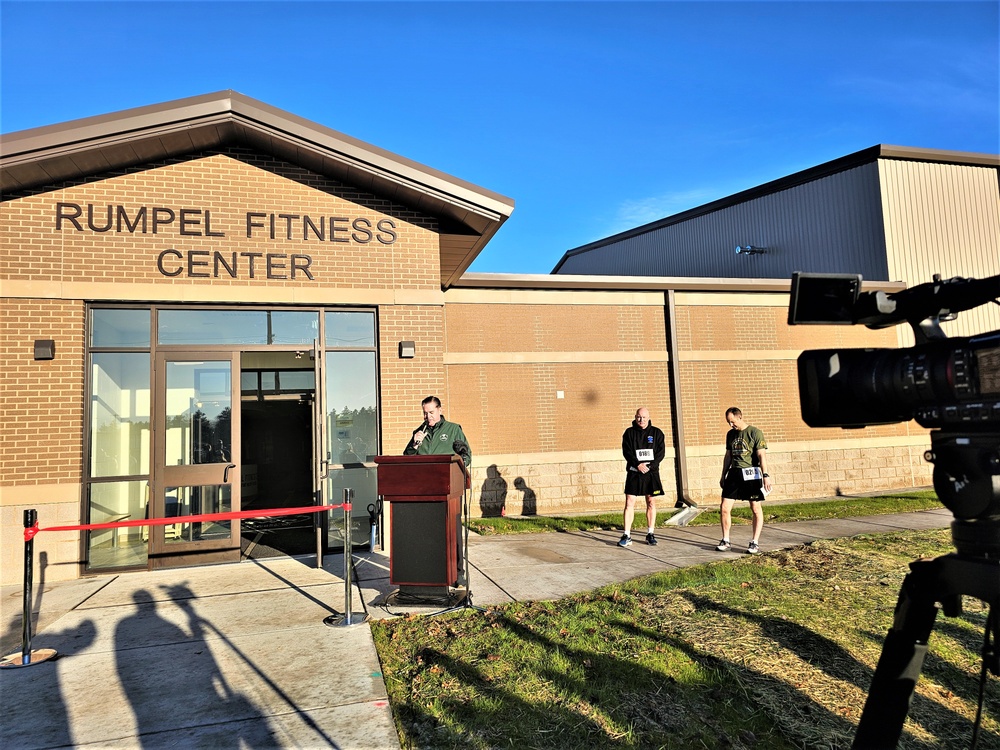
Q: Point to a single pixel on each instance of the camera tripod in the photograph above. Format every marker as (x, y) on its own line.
(944, 581)
(967, 480)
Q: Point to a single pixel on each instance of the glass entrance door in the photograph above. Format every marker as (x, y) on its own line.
(196, 457)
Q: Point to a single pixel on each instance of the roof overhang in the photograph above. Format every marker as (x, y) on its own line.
(468, 215)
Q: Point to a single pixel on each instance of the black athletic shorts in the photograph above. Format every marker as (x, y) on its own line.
(642, 485)
(736, 488)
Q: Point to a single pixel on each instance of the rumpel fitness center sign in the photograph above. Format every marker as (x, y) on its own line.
(197, 222)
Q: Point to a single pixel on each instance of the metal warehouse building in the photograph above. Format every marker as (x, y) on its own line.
(887, 213)
(214, 304)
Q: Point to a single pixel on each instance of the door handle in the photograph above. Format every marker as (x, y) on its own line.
(225, 474)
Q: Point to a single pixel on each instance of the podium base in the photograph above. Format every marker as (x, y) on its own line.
(428, 596)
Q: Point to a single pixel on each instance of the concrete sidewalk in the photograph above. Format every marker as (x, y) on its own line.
(239, 656)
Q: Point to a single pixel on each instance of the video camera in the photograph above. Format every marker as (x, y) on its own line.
(949, 384)
(940, 382)
(952, 386)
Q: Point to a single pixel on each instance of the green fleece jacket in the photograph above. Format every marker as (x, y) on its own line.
(444, 437)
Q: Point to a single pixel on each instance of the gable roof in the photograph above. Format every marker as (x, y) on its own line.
(468, 215)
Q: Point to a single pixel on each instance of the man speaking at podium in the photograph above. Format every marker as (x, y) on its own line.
(438, 436)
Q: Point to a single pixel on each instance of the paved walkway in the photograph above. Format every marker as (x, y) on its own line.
(239, 655)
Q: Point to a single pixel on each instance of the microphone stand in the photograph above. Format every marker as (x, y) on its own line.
(466, 602)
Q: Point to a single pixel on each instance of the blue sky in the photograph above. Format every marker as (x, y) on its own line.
(594, 117)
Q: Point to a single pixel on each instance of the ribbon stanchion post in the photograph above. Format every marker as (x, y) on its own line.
(27, 657)
(348, 617)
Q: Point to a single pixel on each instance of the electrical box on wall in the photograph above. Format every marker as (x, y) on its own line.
(45, 349)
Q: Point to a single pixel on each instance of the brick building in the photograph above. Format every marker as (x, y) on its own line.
(212, 289)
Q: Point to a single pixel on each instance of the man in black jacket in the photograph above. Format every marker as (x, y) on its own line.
(643, 447)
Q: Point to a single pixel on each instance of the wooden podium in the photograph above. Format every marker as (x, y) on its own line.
(425, 514)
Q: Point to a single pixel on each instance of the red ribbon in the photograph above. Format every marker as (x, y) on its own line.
(30, 532)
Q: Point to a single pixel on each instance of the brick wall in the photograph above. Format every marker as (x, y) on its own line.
(544, 391)
(505, 363)
(42, 400)
(41, 451)
(543, 382)
(737, 350)
(406, 382)
(219, 190)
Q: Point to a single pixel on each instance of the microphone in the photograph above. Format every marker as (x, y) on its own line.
(422, 428)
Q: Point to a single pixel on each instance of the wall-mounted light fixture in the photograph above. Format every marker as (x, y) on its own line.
(45, 349)
(407, 350)
(750, 250)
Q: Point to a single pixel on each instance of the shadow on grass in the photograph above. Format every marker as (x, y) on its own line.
(949, 727)
(585, 698)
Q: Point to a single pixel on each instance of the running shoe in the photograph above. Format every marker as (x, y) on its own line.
(724, 546)
(650, 540)
(753, 549)
(625, 541)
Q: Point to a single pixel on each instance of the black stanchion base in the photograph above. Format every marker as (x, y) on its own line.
(35, 657)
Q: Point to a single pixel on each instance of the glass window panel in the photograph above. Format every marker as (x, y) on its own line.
(192, 501)
(363, 482)
(293, 327)
(268, 381)
(297, 380)
(117, 548)
(212, 327)
(119, 328)
(350, 329)
(198, 413)
(248, 381)
(351, 400)
(119, 414)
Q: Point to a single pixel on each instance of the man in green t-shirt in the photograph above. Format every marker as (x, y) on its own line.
(744, 476)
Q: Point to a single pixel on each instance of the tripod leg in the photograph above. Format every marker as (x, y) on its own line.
(899, 665)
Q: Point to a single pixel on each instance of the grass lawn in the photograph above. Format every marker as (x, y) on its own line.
(767, 652)
(773, 513)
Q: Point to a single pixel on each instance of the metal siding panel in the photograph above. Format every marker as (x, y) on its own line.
(831, 225)
(944, 219)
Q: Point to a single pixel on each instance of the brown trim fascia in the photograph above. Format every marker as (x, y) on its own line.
(639, 283)
(154, 121)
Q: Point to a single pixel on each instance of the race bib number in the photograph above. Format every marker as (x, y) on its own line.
(644, 454)
(753, 472)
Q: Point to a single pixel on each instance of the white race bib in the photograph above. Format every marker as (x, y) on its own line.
(644, 454)
(753, 472)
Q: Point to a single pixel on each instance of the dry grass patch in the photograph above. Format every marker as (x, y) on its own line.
(774, 651)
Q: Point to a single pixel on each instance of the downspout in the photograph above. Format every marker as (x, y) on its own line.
(677, 418)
